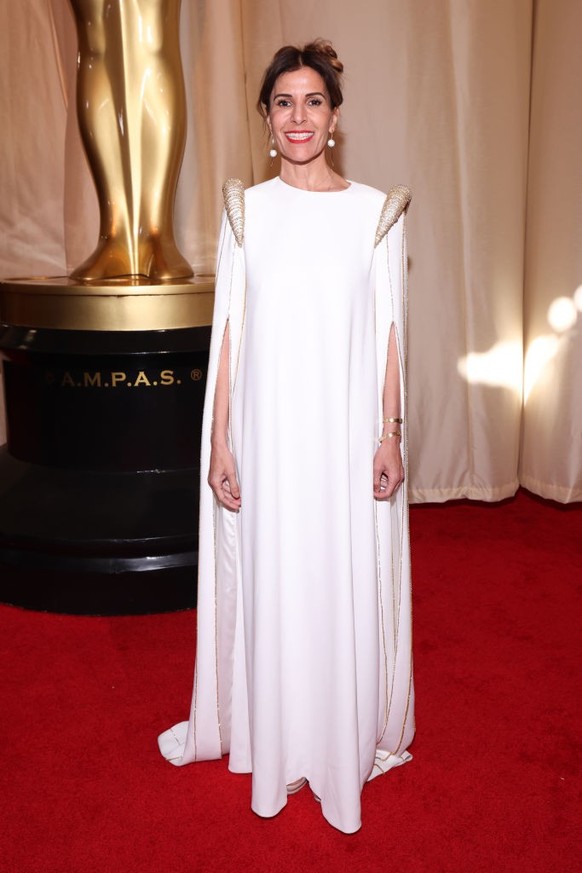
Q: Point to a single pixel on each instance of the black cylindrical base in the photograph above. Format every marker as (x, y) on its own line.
(99, 480)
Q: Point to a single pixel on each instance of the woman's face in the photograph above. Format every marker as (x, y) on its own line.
(300, 116)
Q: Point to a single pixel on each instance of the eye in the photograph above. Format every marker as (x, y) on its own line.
(281, 101)
(315, 101)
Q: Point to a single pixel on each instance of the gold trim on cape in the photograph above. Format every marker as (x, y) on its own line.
(396, 202)
(233, 193)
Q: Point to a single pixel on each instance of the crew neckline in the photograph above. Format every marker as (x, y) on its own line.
(307, 191)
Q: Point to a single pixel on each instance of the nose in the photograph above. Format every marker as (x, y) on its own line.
(298, 115)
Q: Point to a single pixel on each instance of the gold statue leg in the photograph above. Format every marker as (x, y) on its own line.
(131, 110)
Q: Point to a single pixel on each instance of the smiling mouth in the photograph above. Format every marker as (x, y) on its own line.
(299, 136)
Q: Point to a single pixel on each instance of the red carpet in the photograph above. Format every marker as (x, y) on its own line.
(493, 786)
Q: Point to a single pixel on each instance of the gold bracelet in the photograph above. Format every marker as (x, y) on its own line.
(393, 420)
(389, 436)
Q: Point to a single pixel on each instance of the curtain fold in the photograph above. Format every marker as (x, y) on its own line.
(551, 453)
(437, 97)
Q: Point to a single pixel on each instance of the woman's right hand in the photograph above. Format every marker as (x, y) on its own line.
(222, 477)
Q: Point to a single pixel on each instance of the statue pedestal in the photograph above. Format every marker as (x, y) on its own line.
(99, 480)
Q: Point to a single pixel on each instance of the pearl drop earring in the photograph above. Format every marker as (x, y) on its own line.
(331, 140)
(273, 150)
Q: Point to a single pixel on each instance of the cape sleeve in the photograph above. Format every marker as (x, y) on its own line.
(202, 737)
(391, 291)
(396, 712)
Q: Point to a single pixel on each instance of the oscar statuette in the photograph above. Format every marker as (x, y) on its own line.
(105, 370)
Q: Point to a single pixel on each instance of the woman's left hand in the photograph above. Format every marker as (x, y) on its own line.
(388, 469)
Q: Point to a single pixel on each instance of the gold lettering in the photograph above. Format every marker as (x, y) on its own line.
(92, 380)
(67, 380)
(142, 379)
(167, 377)
(117, 376)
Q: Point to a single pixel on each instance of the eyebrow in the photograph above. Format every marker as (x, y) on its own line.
(311, 94)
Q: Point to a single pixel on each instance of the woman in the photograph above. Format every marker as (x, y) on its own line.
(303, 669)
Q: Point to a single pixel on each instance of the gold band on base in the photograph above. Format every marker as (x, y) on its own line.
(59, 303)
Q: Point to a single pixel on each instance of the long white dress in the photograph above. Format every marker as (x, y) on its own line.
(303, 665)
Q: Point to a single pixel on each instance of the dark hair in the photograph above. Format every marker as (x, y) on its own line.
(320, 55)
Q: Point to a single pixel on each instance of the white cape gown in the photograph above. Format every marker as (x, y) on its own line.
(303, 664)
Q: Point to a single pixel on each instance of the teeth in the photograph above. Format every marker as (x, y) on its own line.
(299, 136)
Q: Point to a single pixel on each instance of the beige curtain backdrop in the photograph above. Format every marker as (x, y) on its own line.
(472, 103)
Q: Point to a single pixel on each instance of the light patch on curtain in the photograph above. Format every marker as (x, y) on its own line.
(562, 316)
(501, 366)
(539, 354)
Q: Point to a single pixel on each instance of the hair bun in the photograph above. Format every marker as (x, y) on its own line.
(324, 47)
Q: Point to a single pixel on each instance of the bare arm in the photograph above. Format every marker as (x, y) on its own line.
(388, 467)
(222, 476)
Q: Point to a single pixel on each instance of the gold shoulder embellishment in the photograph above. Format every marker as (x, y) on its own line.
(396, 202)
(233, 193)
